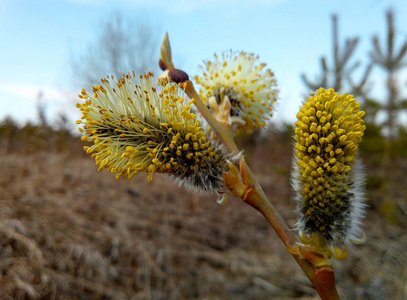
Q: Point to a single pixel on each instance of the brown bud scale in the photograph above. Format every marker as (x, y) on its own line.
(162, 65)
(178, 76)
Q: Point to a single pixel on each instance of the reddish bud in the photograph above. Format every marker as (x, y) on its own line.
(178, 76)
(162, 65)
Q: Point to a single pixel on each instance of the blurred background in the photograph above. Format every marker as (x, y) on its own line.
(67, 231)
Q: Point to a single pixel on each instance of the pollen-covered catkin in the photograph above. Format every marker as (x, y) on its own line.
(136, 127)
(327, 177)
(250, 88)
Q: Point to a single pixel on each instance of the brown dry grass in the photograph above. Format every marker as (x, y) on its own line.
(67, 231)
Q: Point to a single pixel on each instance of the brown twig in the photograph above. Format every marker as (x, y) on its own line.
(321, 277)
(223, 131)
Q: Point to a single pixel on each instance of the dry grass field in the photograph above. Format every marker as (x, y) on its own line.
(70, 232)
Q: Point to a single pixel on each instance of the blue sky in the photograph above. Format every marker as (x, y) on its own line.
(37, 38)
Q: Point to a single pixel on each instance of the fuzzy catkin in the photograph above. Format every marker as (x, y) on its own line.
(136, 127)
(327, 176)
(250, 88)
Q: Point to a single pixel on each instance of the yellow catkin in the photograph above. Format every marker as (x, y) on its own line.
(329, 129)
(136, 127)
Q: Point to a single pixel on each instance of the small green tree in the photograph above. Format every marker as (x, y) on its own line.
(335, 75)
(391, 61)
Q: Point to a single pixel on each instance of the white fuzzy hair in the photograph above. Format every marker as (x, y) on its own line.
(355, 213)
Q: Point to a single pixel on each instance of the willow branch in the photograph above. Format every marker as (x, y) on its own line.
(321, 277)
(222, 130)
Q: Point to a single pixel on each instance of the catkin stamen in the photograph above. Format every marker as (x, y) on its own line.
(250, 88)
(136, 127)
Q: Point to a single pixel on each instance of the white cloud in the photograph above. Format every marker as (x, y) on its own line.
(20, 101)
(31, 92)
